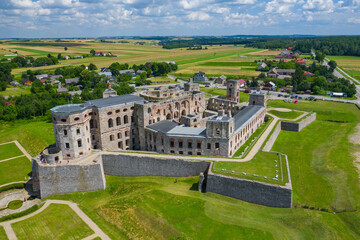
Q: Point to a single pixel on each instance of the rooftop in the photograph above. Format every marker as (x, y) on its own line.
(245, 115)
(187, 131)
(162, 126)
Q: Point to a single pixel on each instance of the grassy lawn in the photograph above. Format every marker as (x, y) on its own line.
(161, 80)
(263, 165)
(209, 92)
(3, 234)
(14, 170)
(320, 157)
(286, 115)
(58, 221)
(9, 150)
(33, 135)
(157, 208)
(15, 91)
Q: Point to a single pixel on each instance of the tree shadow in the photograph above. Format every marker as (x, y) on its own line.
(194, 187)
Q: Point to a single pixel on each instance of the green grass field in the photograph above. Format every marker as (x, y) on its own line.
(209, 92)
(9, 150)
(14, 170)
(286, 115)
(34, 136)
(3, 234)
(158, 208)
(263, 165)
(15, 91)
(58, 221)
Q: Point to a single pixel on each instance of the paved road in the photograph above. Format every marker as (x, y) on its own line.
(98, 232)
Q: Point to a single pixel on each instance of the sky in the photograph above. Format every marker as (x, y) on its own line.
(100, 18)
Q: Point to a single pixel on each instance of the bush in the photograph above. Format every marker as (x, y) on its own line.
(15, 204)
(12, 186)
(20, 214)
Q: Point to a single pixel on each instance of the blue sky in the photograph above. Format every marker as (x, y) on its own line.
(95, 18)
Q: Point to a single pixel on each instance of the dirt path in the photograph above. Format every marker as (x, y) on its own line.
(98, 232)
(11, 158)
(355, 139)
(12, 183)
(23, 150)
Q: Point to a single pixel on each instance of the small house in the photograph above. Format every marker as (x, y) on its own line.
(71, 81)
(200, 77)
(242, 83)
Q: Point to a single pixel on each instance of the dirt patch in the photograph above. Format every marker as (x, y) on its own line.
(355, 137)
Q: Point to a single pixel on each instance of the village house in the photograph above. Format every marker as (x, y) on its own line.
(220, 80)
(200, 77)
(281, 73)
(70, 81)
(242, 83)
(261, 66)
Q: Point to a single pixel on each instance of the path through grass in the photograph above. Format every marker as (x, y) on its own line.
(9, 150)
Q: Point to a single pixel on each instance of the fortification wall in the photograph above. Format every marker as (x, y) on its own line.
(298, 126)
(126, 165)
(270, 143)
(250, 191)
(58, 179)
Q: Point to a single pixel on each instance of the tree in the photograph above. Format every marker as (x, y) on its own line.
(320, 56)
(65, 48)
(332, 65)
(59, 56)
(92, 52)
(298, 77)
(92, 67)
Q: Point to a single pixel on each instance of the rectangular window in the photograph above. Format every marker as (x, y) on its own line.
(119, 135)
(181, 152)
(127, 142)
(172, 143)
(198, 145)
(180, 144)
(120, 145)
(78, 131)
(209, 146)
(111, 137)
(189, 144)
(67, 145)
(217, 145)
(172, 151)
(199, 153)
(93, 137)
(126, 133)
(65, 133)
(189, 153)
(79, 143)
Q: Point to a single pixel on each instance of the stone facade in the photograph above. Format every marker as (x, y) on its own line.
(233, 90)
(298, 126)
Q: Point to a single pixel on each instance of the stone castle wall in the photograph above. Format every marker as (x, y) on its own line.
(58, 179)
(126, 165)
(250, 191)
(270, 142)
(298, 126)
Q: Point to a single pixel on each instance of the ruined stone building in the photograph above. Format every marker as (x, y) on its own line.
(166, 121)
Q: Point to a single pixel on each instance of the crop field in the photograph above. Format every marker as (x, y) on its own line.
(58, 221)
(350, 64)
(216, 60)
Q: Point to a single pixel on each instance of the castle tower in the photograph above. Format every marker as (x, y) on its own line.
(220, 126)
(257, 98)
(109, 92)
(233, 90)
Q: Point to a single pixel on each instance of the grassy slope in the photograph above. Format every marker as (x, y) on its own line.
(320, 158)
(286, 115)
(34, 136)
(156, 207)
(3, 234)
(15, 91)
(9, 150)
(58, 221)
(14, 170)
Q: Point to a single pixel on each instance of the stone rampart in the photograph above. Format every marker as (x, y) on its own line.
(298, 126)
(127, 165)
(270, 142)
(67, 178)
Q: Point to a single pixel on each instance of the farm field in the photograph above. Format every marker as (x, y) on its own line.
(350, 64)
(58, 221)
(215, 61)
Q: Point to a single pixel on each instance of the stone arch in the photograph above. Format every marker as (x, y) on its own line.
(126, 119)
(118, 121)
(168, 116)
(177, 106)
(176, 114)
(183, 112)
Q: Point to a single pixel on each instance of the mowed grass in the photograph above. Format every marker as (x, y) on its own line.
(286, 115)
(33, 135)
(33, 51)
(14, 170)
(209, 91)
(3, 233)
(264, 164)
(159, 208)
(9, 150)
(57, 221)
(15, 91)
(321, 157)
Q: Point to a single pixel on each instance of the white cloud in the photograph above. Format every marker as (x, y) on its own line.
(283, 7)
(354, 20)
(200, 16)
(320, 5)
(243, 19)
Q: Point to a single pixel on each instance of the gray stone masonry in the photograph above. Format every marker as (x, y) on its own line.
(269, 144)
(125, 165)
(298, 126)
(67, 178)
